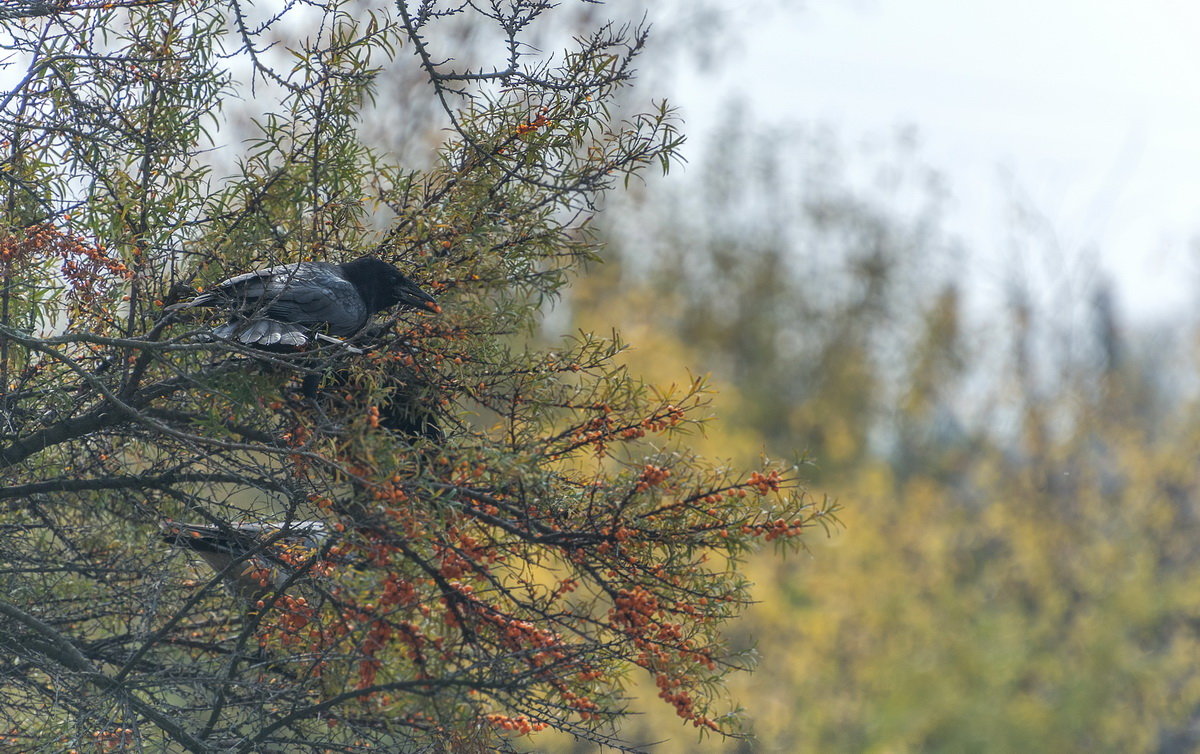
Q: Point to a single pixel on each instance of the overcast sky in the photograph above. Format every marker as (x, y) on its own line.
(1087, 109)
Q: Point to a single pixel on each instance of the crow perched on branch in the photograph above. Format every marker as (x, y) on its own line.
(266, 551)
(282, 306)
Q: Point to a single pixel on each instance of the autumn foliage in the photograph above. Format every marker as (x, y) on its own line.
(1017, 566)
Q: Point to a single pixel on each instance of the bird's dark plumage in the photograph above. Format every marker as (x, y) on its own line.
(266, 551)
(406, 408)
(282, 306)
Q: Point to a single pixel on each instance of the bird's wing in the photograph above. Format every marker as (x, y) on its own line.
(305, 293)
(219, 546)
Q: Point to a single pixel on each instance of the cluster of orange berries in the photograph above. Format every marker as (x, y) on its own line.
(590, 673)
(471, 548)
(486, 509)
(670, 416)
(566, 586)
(111, 740)
(521, 724)
(295, 613)
(539, 122)
(376, 639)
(517, 634)
(634, 607)
(774, 529)
(367, 670)
(390, 356)
(711, 500)
(531, 634)
(14, 249)
(414, 639)
(259, 574)
(764, 483)
(652, 476)
(620, 534)
(669, 633)
(595, 429)
(669, 691)
(700, 659)
(85, 266)
(398, 591)
(513, 633)
(410, 521)
(651, 655)
(298, 554)
(587, 709)
(391, 490)
(466, 471)
(453, 565)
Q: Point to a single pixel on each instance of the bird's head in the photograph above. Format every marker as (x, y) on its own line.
(383, 286)
(407, 293)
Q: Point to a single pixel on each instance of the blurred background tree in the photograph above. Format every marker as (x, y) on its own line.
(1020, 486)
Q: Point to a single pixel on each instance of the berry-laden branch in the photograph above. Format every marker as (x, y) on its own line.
(284, 446)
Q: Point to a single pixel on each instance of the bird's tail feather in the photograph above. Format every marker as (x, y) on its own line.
(200, 538)
(263, 332)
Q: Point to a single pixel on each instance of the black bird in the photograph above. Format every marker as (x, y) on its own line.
(282, 306)
(267, 552)
(406, 408)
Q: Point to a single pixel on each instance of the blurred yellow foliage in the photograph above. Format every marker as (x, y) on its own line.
(988, 594)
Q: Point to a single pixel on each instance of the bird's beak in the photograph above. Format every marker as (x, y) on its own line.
(413, 296)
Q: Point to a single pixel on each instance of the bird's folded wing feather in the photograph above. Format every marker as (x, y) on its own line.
(305, 293)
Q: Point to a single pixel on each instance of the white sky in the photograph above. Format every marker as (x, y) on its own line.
(1092, 107)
